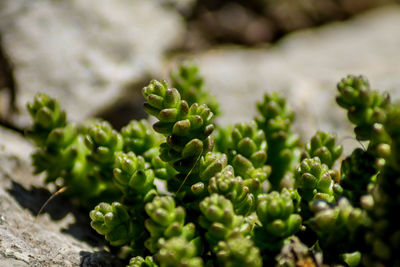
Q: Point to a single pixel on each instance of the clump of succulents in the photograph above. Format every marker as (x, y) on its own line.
(228, 202)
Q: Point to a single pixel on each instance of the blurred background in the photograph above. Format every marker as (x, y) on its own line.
(95, 56)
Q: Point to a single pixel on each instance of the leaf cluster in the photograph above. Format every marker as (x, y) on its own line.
(248, 194)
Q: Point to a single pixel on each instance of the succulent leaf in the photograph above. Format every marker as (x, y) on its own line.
(166, 221)
(178, 252)
(187, 80)
(238, 251)
(233, 188)
(283, 145)
(314, 181)
(139, 261)
(219, 219)
(187, 128)
(115, 223)
(323, 145)
(277, 213)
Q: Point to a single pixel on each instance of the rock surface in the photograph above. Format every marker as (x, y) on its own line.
(27, 240)
(76, 49)
(305, 68)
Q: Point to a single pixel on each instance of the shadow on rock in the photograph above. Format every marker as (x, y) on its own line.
(99, 259)
(36, 197)
(33, 200)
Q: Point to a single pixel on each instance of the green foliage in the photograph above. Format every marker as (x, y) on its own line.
(365, 107)
(162, 170)
(206, 167)
(277, 213)
(283, 145)
(166, 221)
(352, 259)
(217, 209)
(340, 224)
(114, 222)
(376, 169)
(178, 252)
(187, 80)
(384, 237)
(238, 251)
(211, 164)
(323, 145)
(138, 261)
(367, 110)
(62, 154)
(248, 141)
(314, 180)
(357, 174)
(247, 151)
(103, 142)
(140, 138)
(187, 128)
(133, 179)
(46, 115)
(219, 218)
(226, 184)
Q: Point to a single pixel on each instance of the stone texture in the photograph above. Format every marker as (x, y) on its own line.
(84, 52)
(305, 68)
(27, 240)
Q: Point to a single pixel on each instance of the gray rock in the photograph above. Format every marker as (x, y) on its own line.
(84, 52)
(27, 240)
(305, 68)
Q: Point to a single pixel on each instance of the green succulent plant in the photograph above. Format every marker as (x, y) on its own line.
(178, 252)
(63, 156)
(166, 221)
(314, 181)
(358, 174)
(187, 128)
(246, 149)
(383, 237)
(284, 151)
(341, 224)
(220, 219)
(367, 110)
(278, 214)
(238, 251)
(169, 197)
(323, 145)
(134, 180)
(365, 106)
(187, 80)
(114, 222)
(103, 141)
(47, 115)
(139, 261)
(140, 138)
(226, 184)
